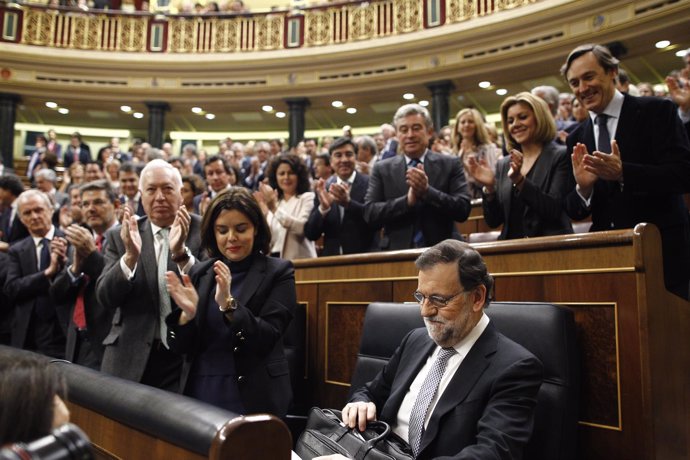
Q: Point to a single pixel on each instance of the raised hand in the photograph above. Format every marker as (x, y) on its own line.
(417, 180)
(184, 294)
(270, 196)
(607, 166)
(340, 193)
(131, 238)
(515, 170)
(179, 230)
(584, 177)
(325, 199)
(223, 282)
(480, 171)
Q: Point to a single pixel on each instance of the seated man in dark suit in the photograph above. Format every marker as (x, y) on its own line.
(32, 265)
(74, 288)
(418, 195)
(338, 211)
(631, 161)
(457, 388)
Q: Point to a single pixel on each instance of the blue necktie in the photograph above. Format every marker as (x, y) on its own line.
(44, 261)
(604, 138)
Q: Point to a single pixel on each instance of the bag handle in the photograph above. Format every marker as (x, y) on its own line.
(370, 444)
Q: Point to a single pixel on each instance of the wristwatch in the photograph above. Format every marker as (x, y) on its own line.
(231, 304)
(186, 254)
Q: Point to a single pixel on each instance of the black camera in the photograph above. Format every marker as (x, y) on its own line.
(67, 442)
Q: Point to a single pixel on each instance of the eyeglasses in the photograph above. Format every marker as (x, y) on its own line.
(436, 301)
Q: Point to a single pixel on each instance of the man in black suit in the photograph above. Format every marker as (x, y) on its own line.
(217, 172)
(32, 265)
(416, 196)
(457, 388)
(74, 288)
(11, 227)
(338, 211)
(643, 177)
(132, 285)
(128, 176)
(76, 151)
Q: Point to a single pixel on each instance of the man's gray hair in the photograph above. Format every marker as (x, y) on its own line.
(160, 164)
(412, 109)
(550, 95)
(25, 195)
(471, 266)
(47, 174)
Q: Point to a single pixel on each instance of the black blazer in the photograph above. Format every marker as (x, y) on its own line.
(352, 233)
(16, 232)
(266, 306)
(447, 201)
(134, 303)
(84, 155)
(98, 318)
(550, 180)
(487, 410)
(24, 284)
(656, 172)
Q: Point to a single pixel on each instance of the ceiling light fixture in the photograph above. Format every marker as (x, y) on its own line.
(210, 116)
(138, 115)
(125, 108)
(424, 103)
(351, 110)
(280, 114)
(197, 109)
(681, 53)
(408, 96)
(661, 44)
(337, 104)
(51, 105)
(501, 91)
(267, 108)
(484, 84)
(63, 110)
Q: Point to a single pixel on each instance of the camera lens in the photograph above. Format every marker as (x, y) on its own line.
(67, 442)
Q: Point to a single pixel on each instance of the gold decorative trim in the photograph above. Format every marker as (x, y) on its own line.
(583, 271)
(325, 347)
(618, 361)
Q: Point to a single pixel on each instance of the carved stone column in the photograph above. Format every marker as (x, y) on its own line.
(440, 93)
(157, 122)
(296, 125)
(8, 116)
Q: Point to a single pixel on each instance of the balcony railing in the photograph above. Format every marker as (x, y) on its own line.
(308, 27)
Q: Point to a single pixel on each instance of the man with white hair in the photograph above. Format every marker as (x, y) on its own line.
(32, 264)
(138, 253)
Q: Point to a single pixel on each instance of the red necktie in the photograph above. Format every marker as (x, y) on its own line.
(78, 316)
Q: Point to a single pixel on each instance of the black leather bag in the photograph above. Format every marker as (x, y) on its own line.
(325, 434)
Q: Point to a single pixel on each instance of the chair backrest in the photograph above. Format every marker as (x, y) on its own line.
(548, 331)
(295, 345)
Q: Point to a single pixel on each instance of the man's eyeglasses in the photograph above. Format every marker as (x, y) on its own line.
(436, 301)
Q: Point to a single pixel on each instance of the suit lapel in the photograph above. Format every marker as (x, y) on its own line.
(588, 135)
(627, 129)
(542, 167)
(206, 291)
(397, 181)
(407, 374)
(253, 280)
(465, 378)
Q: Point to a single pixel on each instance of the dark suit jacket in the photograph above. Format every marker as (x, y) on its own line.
(447, 201)
(135, 302)
(487, 409)
(656, 172)
(98, 318)
(84, 155)
(266, 306)
(17, 232)
(24, 284)
(352, 232)
(551, 178)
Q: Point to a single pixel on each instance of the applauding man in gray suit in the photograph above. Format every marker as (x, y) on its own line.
(418, 195)
(138, 253)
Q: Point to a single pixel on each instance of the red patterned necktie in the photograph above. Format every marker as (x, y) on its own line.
(79, 316)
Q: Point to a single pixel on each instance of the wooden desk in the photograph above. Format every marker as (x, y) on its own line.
(634, 335)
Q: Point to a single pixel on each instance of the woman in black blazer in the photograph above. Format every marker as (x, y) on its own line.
(526, 192)
(233, 312)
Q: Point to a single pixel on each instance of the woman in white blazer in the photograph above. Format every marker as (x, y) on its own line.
(287, 203)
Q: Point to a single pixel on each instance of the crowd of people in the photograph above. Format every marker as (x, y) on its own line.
(174, 271)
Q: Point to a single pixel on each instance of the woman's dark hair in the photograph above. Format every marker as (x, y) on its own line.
(28, 385)
(240, 199)
(296, 165)
(195, 182)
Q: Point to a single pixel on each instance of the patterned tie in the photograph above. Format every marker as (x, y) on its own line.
(79, 315)
(162, 288)
(425, 396)
(604, 138)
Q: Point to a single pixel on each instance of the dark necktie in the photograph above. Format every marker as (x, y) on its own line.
(413, 163)
(44, 260)
(604, 139)
(417, 236)
(44, 308)
(426, 395)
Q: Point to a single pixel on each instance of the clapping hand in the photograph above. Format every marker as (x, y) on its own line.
(184, 294)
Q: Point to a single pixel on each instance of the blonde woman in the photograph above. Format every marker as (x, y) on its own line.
(470, 139)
